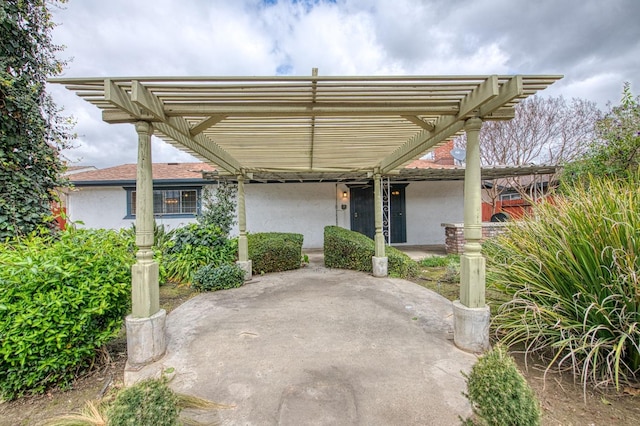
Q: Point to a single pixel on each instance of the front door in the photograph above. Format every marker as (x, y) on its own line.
(398, 214)
(363, 213)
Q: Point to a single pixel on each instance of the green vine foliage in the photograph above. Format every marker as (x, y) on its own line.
(219, 207)
(32, 131)
(616, 150)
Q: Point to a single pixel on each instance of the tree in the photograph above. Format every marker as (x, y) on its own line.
(545, 130)
(32, 131)
(615, 149)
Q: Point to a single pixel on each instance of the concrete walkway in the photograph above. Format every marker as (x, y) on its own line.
(319, 346)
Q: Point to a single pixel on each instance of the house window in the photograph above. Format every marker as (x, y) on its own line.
(510, 197)
(169, 202)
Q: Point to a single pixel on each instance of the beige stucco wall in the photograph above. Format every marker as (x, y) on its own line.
(106, 207)
(428, 205)
(305, 208)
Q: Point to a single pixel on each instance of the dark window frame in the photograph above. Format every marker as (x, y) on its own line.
(163, 190)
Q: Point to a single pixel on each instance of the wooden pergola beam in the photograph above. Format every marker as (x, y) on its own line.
(176, 128)
(483, 101)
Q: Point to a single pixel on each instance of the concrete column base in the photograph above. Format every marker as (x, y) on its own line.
(246, 267)
(380, 266)
(146, 340)
(471, 328)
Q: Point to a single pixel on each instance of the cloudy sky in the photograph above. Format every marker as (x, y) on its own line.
(593, 43)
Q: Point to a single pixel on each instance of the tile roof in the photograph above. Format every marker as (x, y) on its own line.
(179, 171)
(127, 172)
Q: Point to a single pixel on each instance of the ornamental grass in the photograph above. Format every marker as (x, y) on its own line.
(572, 275)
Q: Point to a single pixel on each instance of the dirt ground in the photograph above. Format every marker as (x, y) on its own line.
(563, 401)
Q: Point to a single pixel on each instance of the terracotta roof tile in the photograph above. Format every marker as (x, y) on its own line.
(179, 171)
(161, 171)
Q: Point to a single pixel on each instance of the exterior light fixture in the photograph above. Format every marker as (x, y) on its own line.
(344, 194)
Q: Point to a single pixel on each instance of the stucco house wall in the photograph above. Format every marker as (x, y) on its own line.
(305, 208)
(429, 204)
(99, 200)
(106, 207)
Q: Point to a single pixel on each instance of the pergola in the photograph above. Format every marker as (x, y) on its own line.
(297, 127)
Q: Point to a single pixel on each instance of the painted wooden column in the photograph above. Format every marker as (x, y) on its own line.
(472, 290)
(146, 299)
(471, 315)
(243, 246)
(146, 324)
(380, 261)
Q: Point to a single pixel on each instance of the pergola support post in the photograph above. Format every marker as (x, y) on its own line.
(146, 323)
(243, 245)
(471, 314)
(380, 261)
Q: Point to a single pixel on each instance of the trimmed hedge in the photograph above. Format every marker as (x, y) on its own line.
(347, 249)
(275, 251)
(61, 298)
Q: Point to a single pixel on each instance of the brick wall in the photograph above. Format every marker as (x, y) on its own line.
(442, 154)
(454, 234)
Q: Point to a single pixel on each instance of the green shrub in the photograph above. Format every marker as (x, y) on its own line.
(61, 298)
(572, 273)
(275, 251)
(212, 278)
(194, 246)
(498, 393)
(150, 402)
(351, 250)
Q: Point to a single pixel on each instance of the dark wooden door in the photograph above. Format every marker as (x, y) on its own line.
(398, 214)
(362, 212)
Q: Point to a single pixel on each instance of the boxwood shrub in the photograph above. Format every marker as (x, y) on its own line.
(212, 277)
(275, 251)
(347, 249)
(499, 394)
(61, 298)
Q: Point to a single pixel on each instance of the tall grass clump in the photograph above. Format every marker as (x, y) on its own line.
(572, 273)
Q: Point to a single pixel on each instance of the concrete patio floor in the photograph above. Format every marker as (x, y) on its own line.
(318, 346)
